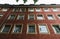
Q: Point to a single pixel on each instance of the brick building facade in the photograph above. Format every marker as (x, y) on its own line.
(30, 21)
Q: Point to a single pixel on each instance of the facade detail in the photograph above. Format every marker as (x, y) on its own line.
(29, 21)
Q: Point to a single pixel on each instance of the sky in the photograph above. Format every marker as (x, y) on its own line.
(29, 2)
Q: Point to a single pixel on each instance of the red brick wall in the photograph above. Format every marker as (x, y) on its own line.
(24, 35)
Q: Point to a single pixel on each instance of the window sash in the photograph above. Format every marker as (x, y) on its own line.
(40, 17)
(38, 9)
(22, 9)
(31, 9)
(56, 28)
(43, 29)
(31, 17)
(50, 17)
(11, 17)
(17, 28)
(6, 28)
(31, 29)
(20, 17)
(4, 9)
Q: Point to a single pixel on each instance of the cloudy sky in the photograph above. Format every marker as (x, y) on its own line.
(30, 2)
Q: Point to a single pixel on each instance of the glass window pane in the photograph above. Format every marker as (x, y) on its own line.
(31, 29)
(6, 28)
(31, 17)
(17, 28)
(31, 9)
(4, 9)
(55, 9)
(11, 17)
(50, 17)
(15, 9)
(46, 9)
(40, 17)
(22, 9)
(57, 28)
(38, 9)
(43, 29)
(20, 17)
(59, 16)
(1, 15)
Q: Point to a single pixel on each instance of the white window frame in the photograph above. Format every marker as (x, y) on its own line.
(1, 15)
(30, 10)
(15, 9)
(10, 16)
(54, 28)
(20, 16)
(38, 9)
(58, 16)
(52, 18)
(29, 17)
(4, 27)
(55, 10)
(21, 10)
(28, 29)
(14, 28)
(40, 18)
(47, 10)
(5, 9)
(43, 32)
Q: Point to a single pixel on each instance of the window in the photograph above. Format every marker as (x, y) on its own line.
(31, 17)
(6, 28)
(15, 9)
(11, 17)
(55, 9)
(31, 29)
(56, 28)
(38, 9)
(31, 9)
(20, 17)
(17, 29)
(50, 17)
(58, 16)
(40, 17)
(22, 9)
(1, 15)
(46, 9)
(4, 9)
(43, 28)
(0, 7)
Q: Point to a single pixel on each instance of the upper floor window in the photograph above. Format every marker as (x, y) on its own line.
(15, 9)
(4, 9)
(46, 9)
(11, 17)
(1, 15)
(0, 7)
(31, 17)
(40, 17)
(58, 16)
(38, 9)
(20, 17)
(22, 9)
(17, 29)
(50, 17)
(55, 9)
(56, 29)
(31, 29)
(43, 28)
(5, 29)
(31, 9)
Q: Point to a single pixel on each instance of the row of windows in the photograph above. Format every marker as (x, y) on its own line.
(31, 9)
(32, 17)
(31, 28)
